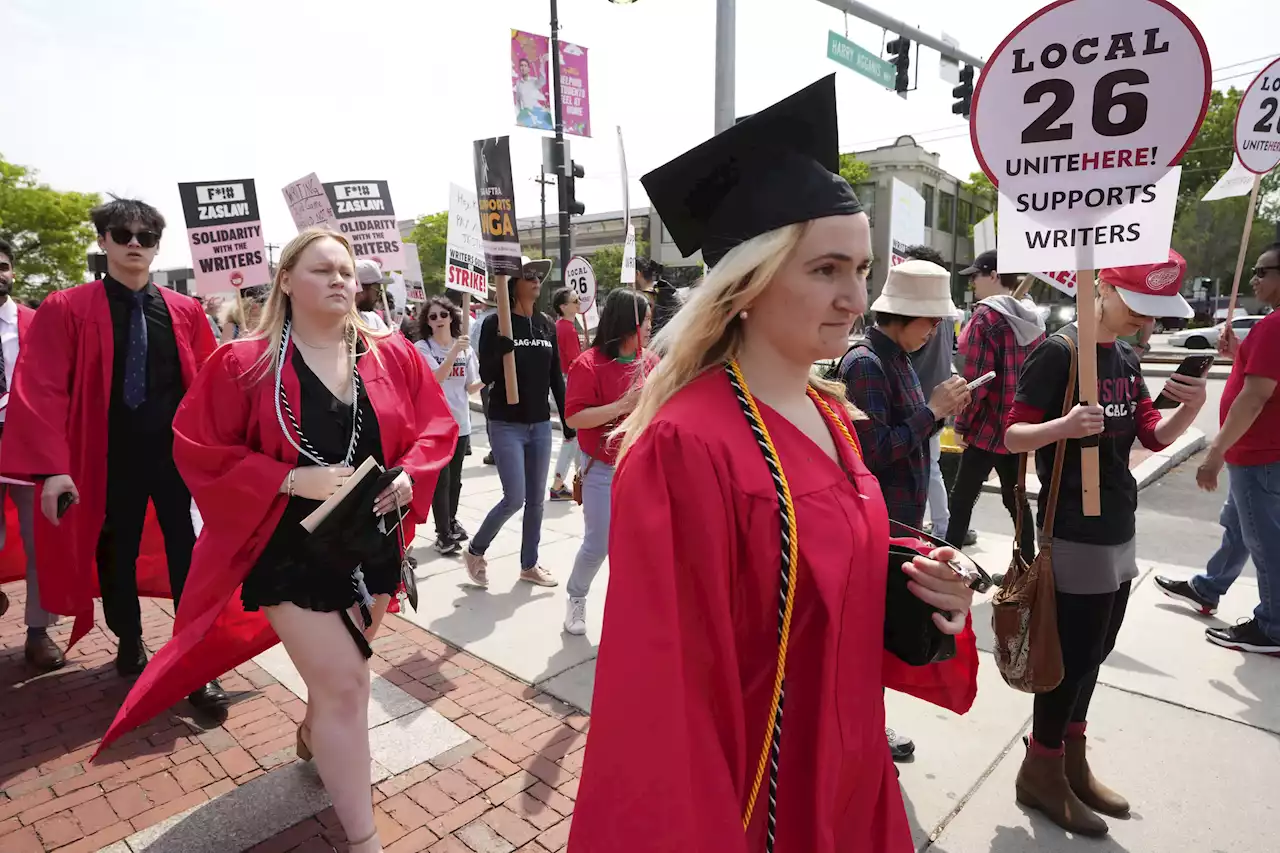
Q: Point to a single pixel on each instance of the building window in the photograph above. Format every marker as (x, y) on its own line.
(965, 216)
(927, 192)
(946, 210)
(867, 195)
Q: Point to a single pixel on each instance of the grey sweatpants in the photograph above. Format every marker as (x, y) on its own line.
(24, 498)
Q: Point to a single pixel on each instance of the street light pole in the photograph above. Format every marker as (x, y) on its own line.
(562, 158)
(726, 36)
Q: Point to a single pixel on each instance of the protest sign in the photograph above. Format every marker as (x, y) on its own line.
(224, 230)
(497, 206)
(1234, 182)
(1257, 138)
(414, 286)
(363, 212)
(1257, 133)
(906, 220)
(628, 272)
(581, 278)
(496, 203)
(308, 203)
(464, 249)
(1089, 220)
(397, 293)
(1063, 280)
(1077, 133)
(575, 105)
(530, 71)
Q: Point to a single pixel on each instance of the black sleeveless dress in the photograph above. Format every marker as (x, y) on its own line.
(283, 572)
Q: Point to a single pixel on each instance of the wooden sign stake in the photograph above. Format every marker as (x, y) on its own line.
(1244, 248)
(504, 329)
(1087, 370)
(466, 313)
(580, 322)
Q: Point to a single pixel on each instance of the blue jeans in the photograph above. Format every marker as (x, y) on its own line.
(597, 490)
(1250, 522)
(522, 453)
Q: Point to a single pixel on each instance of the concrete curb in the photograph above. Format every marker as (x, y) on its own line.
(1148, 471)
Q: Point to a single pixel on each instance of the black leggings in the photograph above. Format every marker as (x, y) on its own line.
(975, 467)
(1087, 627)
(444, 504)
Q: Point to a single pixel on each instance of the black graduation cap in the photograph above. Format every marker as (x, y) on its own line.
(775, 168)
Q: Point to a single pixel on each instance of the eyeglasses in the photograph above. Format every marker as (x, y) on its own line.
(437, 316)
(1261, 272)
(121, 237)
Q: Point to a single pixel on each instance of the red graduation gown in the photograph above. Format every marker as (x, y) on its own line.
(233, 457)
(687, 660)
(57, 423)
(13, 556)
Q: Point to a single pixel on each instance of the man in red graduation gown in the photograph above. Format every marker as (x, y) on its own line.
(104, 367)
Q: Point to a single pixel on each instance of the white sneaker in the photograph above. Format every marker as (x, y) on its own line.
(477, 568)
(539, 576)
(575, 620)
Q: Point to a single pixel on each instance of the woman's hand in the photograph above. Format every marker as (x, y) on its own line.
(317, 483)
(399, 493)
(460, 343)
(626, 404)
(936, 583)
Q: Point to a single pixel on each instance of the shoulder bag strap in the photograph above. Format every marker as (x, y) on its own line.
(1060, 452)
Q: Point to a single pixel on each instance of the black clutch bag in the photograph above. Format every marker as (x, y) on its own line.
(909, 632)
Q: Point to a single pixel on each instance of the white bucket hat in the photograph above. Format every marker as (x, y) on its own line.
(916, 289)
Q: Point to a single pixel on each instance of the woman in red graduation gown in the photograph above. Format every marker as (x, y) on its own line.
(273, 425)
(740, 469)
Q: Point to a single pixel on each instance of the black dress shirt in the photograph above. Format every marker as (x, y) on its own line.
(154, 418)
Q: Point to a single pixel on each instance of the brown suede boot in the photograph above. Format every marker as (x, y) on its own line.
(1091, 792)
(1042, 785)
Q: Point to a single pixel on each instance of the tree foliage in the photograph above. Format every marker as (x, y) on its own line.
(48, 229)
(980, 185)
(606, 263)
(854, 170)
(430, 234)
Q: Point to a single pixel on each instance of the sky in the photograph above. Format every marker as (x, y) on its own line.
(134, 98)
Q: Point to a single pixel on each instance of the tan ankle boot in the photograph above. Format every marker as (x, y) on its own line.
(1042, 785)
(1092, 792)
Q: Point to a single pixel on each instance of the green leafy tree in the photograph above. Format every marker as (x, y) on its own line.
(1208, 233)
(606, 263)
(430, 234)
(854, 170)
(980, 185)
(1211, 152)
(49, 231)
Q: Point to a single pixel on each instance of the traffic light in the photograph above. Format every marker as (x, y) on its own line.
(900, 56)
(963, 93)
(571, 203)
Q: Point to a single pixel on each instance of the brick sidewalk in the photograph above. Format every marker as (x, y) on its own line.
(511, 787)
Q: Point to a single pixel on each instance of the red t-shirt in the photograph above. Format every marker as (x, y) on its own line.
(568, 342)
(1259, 355)
(597, 380)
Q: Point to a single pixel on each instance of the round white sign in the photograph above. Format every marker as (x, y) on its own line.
(1258, 122)
(1091, 84)
(579, 277)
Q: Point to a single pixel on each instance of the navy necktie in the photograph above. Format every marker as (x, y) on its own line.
(135, 362)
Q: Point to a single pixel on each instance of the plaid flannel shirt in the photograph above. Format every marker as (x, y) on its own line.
(988, 343)
(880, 381)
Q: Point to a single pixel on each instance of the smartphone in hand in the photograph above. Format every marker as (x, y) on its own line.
(1192, 365)
(65, 500)
(981, 380)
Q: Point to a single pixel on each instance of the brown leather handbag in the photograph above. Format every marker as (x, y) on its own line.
(1024, 612)
(577, 480)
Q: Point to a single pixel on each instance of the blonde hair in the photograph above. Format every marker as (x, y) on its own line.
(270, 326)
(706, 332)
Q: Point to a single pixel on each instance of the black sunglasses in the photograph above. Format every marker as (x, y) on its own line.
(121, 236)
(1260, 272)
(438, 317)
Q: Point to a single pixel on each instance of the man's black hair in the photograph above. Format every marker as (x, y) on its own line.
(123, 212)
(925, 253)
(649, 268)
(1273, 249)
(6, 249)
(560, 297)
(624, 312)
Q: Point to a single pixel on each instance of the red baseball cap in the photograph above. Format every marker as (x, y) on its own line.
(1152, 290)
